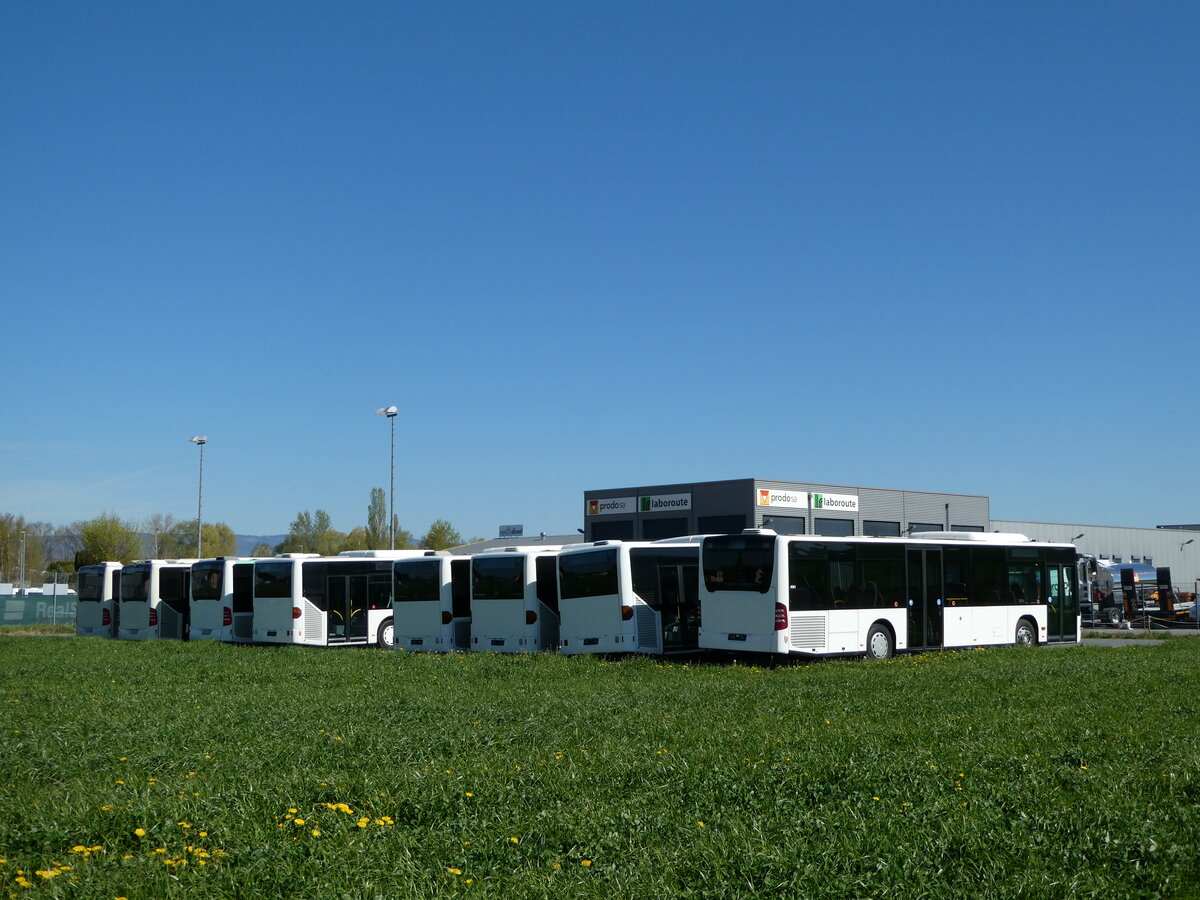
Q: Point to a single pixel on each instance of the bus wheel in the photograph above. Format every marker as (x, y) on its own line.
(879, 643)
(387, 635)
(1026, 634)
(1114, 617)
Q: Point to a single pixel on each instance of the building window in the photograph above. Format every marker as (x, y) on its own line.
(721, 524)
(834, 527)
(924, 526)
(881, 529)
(657, 529)
(785, 524)
(966, 528)
(612, 531)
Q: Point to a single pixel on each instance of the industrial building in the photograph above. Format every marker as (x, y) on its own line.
(653, 512)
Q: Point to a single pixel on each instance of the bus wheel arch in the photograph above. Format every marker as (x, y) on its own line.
(881, 642)
(386, 638)
(1026, 633)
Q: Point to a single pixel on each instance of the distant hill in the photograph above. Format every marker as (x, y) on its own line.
(247, 542)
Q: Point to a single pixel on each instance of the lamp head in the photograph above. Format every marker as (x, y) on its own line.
(389, 411)
(198, 439)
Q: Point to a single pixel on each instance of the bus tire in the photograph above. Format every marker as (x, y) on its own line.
(1114, 617)
(386, 638)
(879, 642)
(1026, 635)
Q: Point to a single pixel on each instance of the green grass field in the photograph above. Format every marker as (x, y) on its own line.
(199, 770)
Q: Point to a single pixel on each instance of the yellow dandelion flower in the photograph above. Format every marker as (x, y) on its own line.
(515, 840)
(454, 871)
(585, 862)
(316, 832)
(701, 824)
(140, 832)
(204, 834)
(298, 821)
(469, 794)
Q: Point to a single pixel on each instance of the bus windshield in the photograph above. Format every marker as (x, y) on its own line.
(591, 574)
(135, 584)
(91, 586)
(498, 578)
(207, 581)
(739, 562)
(273, 579)
(418, 581)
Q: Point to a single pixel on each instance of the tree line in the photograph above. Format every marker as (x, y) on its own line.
(61, 550)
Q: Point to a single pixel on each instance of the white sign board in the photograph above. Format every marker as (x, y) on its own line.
(611, 506)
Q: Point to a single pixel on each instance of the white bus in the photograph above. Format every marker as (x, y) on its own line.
(154, 599)
(97, 610)
(431, 603)
(222, 600)
(326, 601)
(514, 599)
(820, 596)
(630, 597)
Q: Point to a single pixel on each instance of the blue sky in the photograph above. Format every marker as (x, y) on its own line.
(932, 246)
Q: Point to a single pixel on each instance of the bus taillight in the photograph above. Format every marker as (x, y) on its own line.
(626, 613)
(153, 618)
(781, 617)
(530, 617)
(106, 618)
(295, 612)
(227, 617)
(447, 617)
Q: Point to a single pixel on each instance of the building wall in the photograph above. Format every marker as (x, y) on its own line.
(1164, 546)
(723, 506)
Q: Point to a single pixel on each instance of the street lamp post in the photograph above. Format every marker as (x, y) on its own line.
(200, 440)
(390, 412)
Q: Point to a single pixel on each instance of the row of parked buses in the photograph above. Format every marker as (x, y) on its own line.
(754, 591)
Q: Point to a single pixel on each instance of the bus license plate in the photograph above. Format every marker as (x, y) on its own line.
(417, 642)
(737, 637)
(591, 642)
(497, 642)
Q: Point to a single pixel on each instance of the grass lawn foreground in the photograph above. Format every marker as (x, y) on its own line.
(168, 769)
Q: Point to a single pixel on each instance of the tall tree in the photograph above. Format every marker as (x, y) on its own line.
(107, 538)
(378, 536)
(11, 529)
(308, 533)
(180, 541)
(441, 534)
(157, 527)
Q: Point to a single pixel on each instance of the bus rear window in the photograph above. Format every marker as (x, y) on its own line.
(591, 574)
(499, 578)
(91, 586)
(418, 581)
(739, 562)
(135, 585)
(206, 581)
(273, 579)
